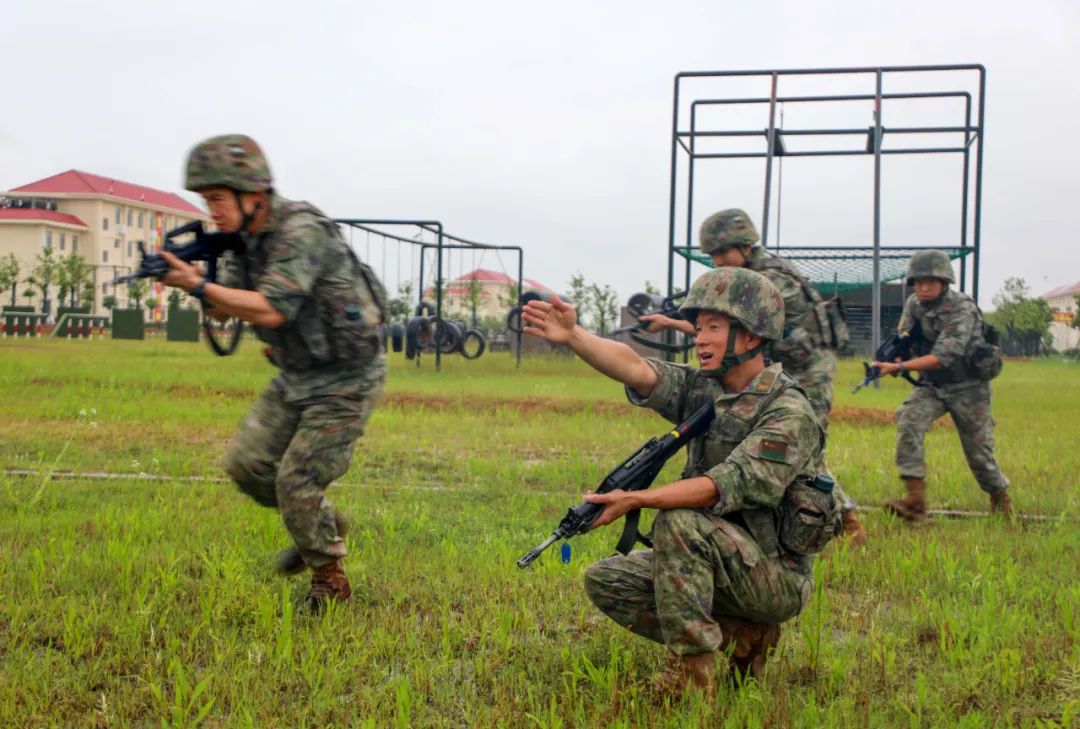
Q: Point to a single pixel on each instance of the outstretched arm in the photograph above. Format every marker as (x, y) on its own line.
(557, 323)
(659, 322)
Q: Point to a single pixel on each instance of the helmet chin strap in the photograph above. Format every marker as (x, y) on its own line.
(248, 217)
(730, 359)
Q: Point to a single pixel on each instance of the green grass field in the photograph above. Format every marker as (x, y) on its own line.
(138, 601)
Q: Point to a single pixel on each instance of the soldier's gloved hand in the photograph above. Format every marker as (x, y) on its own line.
(616, 504)
(554, 321)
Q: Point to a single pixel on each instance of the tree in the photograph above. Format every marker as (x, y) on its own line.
(510, 299)
(1076, 314)
(72, 274)
(651, 288)
(174, 299)
(109, 302)
(86, 296)
(399, 307)
(604, 303)
(152, 303)
(29, 294)
(137, 290)
(1024, 322)
(472, 296)
(9, 274)
(44, 274)
(579, 295)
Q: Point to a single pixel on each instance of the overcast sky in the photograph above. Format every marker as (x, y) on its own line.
(548, 125)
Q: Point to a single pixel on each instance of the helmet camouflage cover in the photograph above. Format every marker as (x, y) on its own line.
(930, 264)
(727, 229)
(740, 294)
(234, 161)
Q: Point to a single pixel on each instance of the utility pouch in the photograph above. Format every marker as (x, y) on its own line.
(984, 359)
(809, 516)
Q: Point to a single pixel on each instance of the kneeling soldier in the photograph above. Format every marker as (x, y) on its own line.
(720, 577)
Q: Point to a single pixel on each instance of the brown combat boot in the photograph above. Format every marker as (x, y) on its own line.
(913, 506)
(1000, 503)
(749, 644)
(685, 674)
(328, 582)
(853, 533)
(289, 562)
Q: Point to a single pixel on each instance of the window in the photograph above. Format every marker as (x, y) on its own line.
(130, 213)
(116, 243)
(48, 239)
(61, 241)
(104, 256)
(105, 288)
(74, 244)
(118, 215)
(140, 219)
(104, 223)
(129, 249)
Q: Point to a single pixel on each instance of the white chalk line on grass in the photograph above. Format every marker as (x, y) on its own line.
(110, 476)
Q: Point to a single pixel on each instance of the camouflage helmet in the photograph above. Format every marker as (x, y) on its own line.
(930, 264)
(741, 294)
(727, 229)
(234, 161)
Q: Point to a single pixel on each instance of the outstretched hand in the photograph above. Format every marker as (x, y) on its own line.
(658, 322)
(886, 368)
(554, 321)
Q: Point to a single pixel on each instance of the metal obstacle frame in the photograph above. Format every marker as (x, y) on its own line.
(441, 246)
(974, 135)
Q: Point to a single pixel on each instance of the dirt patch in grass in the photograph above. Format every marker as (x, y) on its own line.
(523, 406)
(870, 416)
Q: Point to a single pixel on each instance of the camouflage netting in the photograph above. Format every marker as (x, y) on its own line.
(840, 270)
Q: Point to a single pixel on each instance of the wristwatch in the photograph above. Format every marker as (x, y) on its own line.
(199, 292)
(899, 365)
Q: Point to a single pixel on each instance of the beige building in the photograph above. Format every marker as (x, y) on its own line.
(100, 218)
(1062, 302)
(494, 292)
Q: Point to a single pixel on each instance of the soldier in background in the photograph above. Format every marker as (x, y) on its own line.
(806, 349)
(718, 577)
(956, 363)
(318, 309)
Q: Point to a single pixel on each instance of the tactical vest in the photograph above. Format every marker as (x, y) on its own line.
(982, 355)
(336, 325)
(818, 321)
(731, 427)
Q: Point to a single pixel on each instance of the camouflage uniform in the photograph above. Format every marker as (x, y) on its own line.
(300, 434)
(950, 325)
(802, 351)
(725, 561)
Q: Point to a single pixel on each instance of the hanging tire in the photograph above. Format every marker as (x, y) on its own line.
(473, 344)
(382, 337)
(513, 319)
(397, 337)
(447, 334)
(417, 328)
(425, 308)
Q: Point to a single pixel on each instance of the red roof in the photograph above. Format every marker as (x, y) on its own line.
(1065, 290)
(489, 276)
(74, 181)
(36, 214)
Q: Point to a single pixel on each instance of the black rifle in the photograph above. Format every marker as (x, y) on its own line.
(902, 346)
(636, 473)
(207, 248)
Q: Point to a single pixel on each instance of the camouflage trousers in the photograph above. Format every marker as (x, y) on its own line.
(287, 452)
(969, 405)
(820, 395)
(701, 568)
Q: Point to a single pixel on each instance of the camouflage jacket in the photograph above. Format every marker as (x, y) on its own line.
(951, 325)
(762, 440)
(802, 351)
(332, 303)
